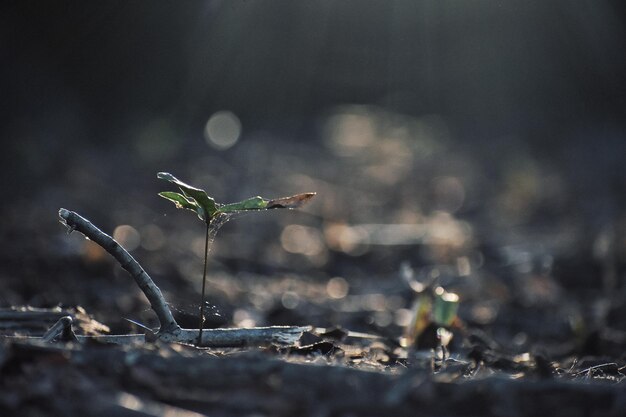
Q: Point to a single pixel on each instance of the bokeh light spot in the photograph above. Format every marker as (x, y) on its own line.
(302, 239)
(337, 288)
(290, 300)
(222, 130)
(127, 236)
(243, 318)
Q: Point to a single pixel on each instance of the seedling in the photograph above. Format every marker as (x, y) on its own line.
(436, 307)
(214, 215)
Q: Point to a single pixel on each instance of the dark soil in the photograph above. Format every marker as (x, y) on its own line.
(540, 274)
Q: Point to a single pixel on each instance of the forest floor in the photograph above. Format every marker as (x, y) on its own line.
(540, 327)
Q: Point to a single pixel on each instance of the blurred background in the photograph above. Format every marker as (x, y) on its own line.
(479, 142)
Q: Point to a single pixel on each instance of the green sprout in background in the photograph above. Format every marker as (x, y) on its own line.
(433, 306)
(214, 214)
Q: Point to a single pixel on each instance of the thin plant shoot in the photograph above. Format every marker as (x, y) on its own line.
(214, 215)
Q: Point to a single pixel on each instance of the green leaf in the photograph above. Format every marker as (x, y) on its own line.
(197, 200)
(253, 203)
(206, 207)
(179, 199)
(182, 201)
(445, 307)
(260, 203)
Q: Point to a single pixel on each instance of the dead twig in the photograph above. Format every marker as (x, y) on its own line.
(169, 330)
(27, 320)
(602, 366)
(255, 336)
(76, 222)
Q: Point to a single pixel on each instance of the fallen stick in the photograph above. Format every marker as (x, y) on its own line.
(76, 222)
(218, 338)
(27, 320)
(169, 330)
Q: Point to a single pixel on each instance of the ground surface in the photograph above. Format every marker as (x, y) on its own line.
(539, 271)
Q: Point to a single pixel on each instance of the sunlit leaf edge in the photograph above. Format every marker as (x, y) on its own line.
(206, 203)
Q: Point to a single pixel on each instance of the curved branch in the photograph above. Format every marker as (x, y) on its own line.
(76, 222)
(170, 331)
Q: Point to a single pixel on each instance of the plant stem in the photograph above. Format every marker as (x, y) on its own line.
(206, 256)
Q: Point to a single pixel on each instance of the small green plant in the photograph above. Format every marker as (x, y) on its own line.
(436, 307)
(214, 214)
